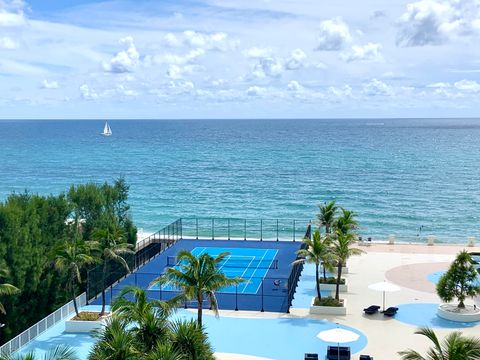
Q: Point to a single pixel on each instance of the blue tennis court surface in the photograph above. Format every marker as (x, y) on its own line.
(266, 267)
(247, 263)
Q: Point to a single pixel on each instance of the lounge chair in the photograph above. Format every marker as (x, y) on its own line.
(372, 309)
(365, 357)
(311, 356)
(391, 311)
(338, 353)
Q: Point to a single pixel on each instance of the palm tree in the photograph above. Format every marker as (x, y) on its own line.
(149, 317)
(346, 222)
(326, 216)
(113, 249)
(165, 352)
(190, 339)
(453, 347)
(342, 250)
(58, 353)
(115, 342)
(198, 276)
(316, 251)
(6, 289)
(141, 329)
(71, 256)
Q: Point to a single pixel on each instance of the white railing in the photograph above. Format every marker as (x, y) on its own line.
(32, 332)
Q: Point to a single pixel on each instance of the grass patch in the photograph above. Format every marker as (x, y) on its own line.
(328, 301)
(87, 316)
(331, 280)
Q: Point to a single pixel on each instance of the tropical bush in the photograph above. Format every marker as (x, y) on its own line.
(32, 225)
(459, 282)
(328, 301)
(455, 346)
(142, 330)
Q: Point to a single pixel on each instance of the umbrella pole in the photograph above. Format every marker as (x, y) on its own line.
(384, 301)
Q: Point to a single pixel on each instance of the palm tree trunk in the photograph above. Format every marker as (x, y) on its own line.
(200, 310)
(339, 277)
(324, 272)
(74, 298)
(319, 295)
(104, 274)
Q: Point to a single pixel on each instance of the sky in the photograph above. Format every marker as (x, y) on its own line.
(169, 59)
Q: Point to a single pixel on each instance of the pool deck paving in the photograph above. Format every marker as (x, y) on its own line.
(407, 265)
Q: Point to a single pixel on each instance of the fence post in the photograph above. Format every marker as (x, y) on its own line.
(213, 228)
(261, 229)
(236, 297)
(196, 221)
(277, 229)
(245, 230)
(228, 228)
(294, 230)
(181, 229)
(262, 298)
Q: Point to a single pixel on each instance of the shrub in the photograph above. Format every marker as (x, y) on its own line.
(331, 280)
(87, 316)
(328, 301)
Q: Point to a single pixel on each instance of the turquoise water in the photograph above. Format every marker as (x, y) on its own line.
(398, 176)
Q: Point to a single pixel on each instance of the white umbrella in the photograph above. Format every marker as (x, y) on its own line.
(338, 335)
(384, 286)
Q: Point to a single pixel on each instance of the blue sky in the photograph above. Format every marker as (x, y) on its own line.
(239, 58)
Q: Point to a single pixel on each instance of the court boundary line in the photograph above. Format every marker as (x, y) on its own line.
(271, 260)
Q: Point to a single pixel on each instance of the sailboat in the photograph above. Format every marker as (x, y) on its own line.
(106, 130)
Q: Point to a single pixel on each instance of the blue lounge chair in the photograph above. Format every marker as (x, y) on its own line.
(391, 311)
(365, 357)
(372, 309)
(338, 353)
(311, 356)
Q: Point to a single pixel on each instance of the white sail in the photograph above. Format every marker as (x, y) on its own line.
(106, 130)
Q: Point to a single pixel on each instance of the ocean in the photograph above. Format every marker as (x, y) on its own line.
(398, 175)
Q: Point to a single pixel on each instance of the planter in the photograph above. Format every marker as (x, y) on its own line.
(333, 287)
(453, 313)
(328, 310)
(82, 326)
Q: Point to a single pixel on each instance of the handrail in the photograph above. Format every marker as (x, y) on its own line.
(46, 323)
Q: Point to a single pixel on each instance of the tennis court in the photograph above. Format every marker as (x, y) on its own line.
(264, 265)
(250, 264)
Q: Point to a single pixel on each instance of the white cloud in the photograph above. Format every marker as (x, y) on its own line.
(87, 93)
(339, 93)
(256, 91)
(333, 35)
(268, 67)
(219, 41)
(12, 19)
(126, 60)
(434, 22)
(46, 84)
(296, 60)
(467, 85)
(369, 52)
(439, 85)
(189, 57)
(8, 43)
(256, 52)
(377, 87)
(294, 86)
